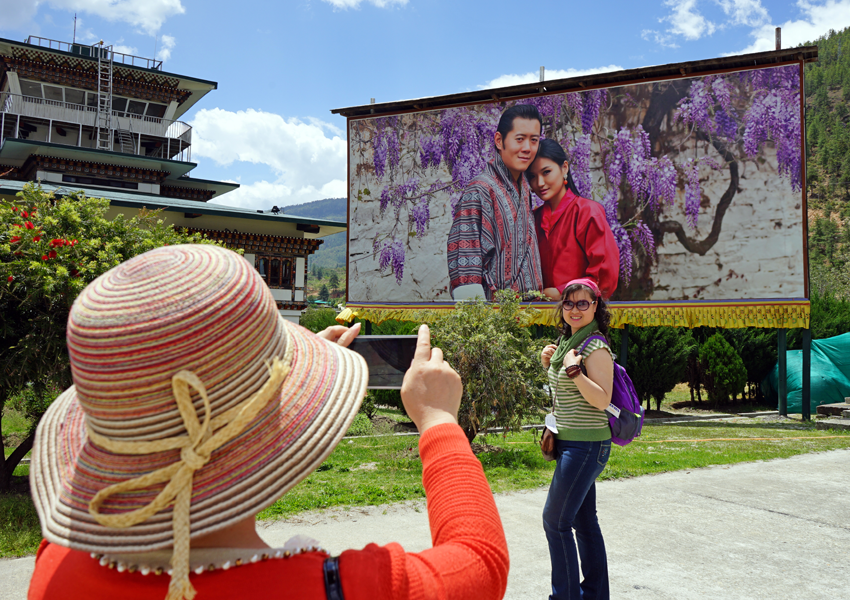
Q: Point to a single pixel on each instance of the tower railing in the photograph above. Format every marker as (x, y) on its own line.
(82, 50)
(17, 111)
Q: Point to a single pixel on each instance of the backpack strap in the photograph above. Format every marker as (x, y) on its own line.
(586, 342)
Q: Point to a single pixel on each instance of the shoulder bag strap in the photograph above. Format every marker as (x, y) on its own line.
(549, 383)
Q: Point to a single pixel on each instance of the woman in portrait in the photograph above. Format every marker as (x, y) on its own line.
(573, 234)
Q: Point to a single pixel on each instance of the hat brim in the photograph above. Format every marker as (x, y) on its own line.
(286, 442)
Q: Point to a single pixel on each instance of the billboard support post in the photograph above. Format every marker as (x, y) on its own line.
(807, 375)
(624, 347)
(782, 347)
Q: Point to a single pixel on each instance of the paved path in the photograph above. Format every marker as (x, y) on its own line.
(774, 530)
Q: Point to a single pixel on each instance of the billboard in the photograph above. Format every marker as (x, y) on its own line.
(684, 191)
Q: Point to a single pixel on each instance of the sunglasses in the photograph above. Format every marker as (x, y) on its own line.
(582, 305)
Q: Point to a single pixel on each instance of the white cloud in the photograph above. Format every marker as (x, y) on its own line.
(262, 195)
(549, 74)
(745, 12)
(147, 15)
(816, 21)
(307, 158)
(18, 15)
(686, 21)
(125, 49)
(167, 43)
(357, 3)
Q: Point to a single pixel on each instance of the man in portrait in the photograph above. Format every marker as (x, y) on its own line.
(492, 243)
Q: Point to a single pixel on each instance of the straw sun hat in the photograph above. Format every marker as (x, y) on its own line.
(194, 406)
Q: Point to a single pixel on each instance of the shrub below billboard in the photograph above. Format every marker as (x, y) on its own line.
(686, 189)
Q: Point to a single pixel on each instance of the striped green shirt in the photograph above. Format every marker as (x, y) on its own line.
(577, 419)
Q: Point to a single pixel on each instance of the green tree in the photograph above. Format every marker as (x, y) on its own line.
(758, 351)
(334, 281)
(317, 319)
(324, 294)
(498, 362)
(320, 273)
(50, 249)
(725, 374)
(657, 360)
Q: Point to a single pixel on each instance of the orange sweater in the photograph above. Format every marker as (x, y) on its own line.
(469, 558)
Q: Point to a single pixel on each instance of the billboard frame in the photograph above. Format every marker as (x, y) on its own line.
(766, 313)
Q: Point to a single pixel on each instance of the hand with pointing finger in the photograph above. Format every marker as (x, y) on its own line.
(431, 389)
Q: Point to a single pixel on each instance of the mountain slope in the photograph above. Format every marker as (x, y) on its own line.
(331, 253)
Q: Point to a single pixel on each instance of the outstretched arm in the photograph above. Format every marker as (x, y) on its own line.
(469, 558)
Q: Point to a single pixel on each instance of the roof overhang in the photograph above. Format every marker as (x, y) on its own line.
(192, 211)
(599, 80)
(15, 152)
(198, 87)
(219, 187)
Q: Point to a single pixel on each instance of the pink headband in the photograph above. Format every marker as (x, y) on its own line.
(586, 281)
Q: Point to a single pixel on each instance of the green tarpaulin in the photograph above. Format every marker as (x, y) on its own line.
(830, 374)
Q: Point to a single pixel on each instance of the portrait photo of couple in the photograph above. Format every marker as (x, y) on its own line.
(682, 189)
(500, 240)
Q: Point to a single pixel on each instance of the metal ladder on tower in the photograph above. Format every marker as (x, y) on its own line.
(103, 121)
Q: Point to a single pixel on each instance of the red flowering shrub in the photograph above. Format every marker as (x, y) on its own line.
(50, 249)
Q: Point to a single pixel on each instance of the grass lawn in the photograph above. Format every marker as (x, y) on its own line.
(381, 470)
(15, 429)
(386, 469)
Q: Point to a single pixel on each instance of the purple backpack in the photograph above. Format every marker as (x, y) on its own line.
(626, 426)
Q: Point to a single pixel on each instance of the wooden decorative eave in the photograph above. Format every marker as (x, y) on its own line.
(186, 193)
(83, 75)
(291, 305)
(93, 169)
(262, 244)
(9, 172)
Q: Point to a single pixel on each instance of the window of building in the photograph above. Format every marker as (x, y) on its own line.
(262, 265)
(275, 271)
(130, 185)
(156, 110)
(122, 106)
(51, 92)
(75, 96)
(31, 88)
(134, 107)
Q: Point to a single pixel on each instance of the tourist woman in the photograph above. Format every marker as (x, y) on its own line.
(195, 405)
(573, 234)
(581, 375)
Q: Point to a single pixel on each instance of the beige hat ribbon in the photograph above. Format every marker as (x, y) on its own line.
(195, 450)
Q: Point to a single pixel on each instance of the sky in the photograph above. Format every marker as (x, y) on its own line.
(282, 66)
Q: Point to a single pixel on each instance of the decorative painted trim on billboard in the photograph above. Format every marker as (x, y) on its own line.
(729, 314)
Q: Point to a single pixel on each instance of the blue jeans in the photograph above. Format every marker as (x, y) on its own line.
(571, 504)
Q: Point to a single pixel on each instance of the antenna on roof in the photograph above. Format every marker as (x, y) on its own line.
(75, 29)
(156, 35)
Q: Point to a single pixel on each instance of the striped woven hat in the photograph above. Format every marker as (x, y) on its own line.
(194, 406)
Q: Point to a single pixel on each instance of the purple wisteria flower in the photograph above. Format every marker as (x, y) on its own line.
(392, 257)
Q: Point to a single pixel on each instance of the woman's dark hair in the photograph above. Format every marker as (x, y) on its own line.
(603, 317)
(518, 111)
(553, 151)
